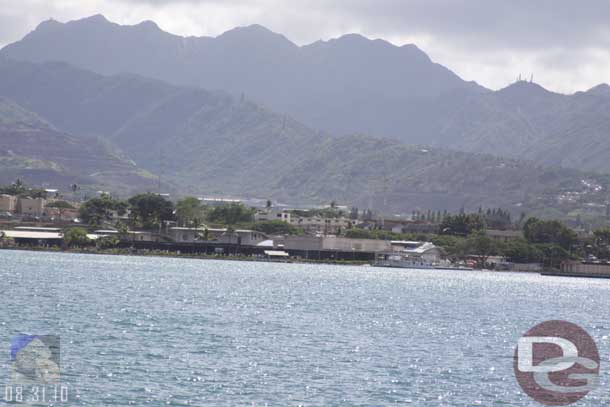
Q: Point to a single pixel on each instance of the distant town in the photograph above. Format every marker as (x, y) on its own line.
(217, 227)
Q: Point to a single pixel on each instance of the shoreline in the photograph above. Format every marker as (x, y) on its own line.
(161, 254)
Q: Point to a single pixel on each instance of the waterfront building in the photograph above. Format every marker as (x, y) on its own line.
(592, 269)
(220, 235)
(426, 251)
(34, 237)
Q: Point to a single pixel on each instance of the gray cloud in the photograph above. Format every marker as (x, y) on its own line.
(565, 43)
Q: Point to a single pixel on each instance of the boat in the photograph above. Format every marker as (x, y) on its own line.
(397, 260)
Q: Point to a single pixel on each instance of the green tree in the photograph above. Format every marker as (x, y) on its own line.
(96, 211)
(462, 224)
(553, 254)
(122, 229)
(549, 232)
(276, 227)
(452, 245)
(76, 237)
(16, 188)
(520, 251)
(190, 212)
(481, 246)
(60, 205)
(150, 210)
(231, 214)
(358, 233)
(601, 243)
(107, 242)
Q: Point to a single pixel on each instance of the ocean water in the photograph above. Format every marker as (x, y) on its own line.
(155, 331)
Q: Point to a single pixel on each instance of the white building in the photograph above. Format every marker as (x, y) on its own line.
(426, 251)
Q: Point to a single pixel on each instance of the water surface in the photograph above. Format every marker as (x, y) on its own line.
(157, 331)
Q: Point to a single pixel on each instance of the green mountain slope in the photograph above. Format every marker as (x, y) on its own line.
(528, 122)
(32, 150)
(346, 85)
(213, 143)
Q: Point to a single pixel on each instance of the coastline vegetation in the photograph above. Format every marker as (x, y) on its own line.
(461, 236)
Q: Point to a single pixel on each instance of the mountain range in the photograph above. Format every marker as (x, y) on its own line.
(350, 84)
(210, 142)
(346, 85)
(239, 114)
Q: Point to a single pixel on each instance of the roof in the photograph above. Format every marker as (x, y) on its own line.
(423, 248)
(116, 232)
(277, 253)
(203, 229)
(18, 234)
(405, 242)
(38, 229)
(220, 200)
(266, 243)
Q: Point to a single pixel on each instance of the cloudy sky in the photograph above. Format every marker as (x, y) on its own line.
(564, 44)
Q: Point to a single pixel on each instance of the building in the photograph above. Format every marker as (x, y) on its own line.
(8, 203)
(345, 244)
(426, 251)
(588, 269)
(33, 237)
(198, 235)
(321, 226)
(408, 226)
(504, 235)
(31, 206)
(131, 235)
(271, 215)
(331, 243)
(61, 213)
(313, 225)
(219, 201)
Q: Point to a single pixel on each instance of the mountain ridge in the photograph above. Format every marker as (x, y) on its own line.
(345, 85)
(213, 143)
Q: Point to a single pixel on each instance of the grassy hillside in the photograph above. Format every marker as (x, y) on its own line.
(32, 150)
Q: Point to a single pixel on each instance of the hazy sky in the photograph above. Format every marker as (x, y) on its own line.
(565, 44)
